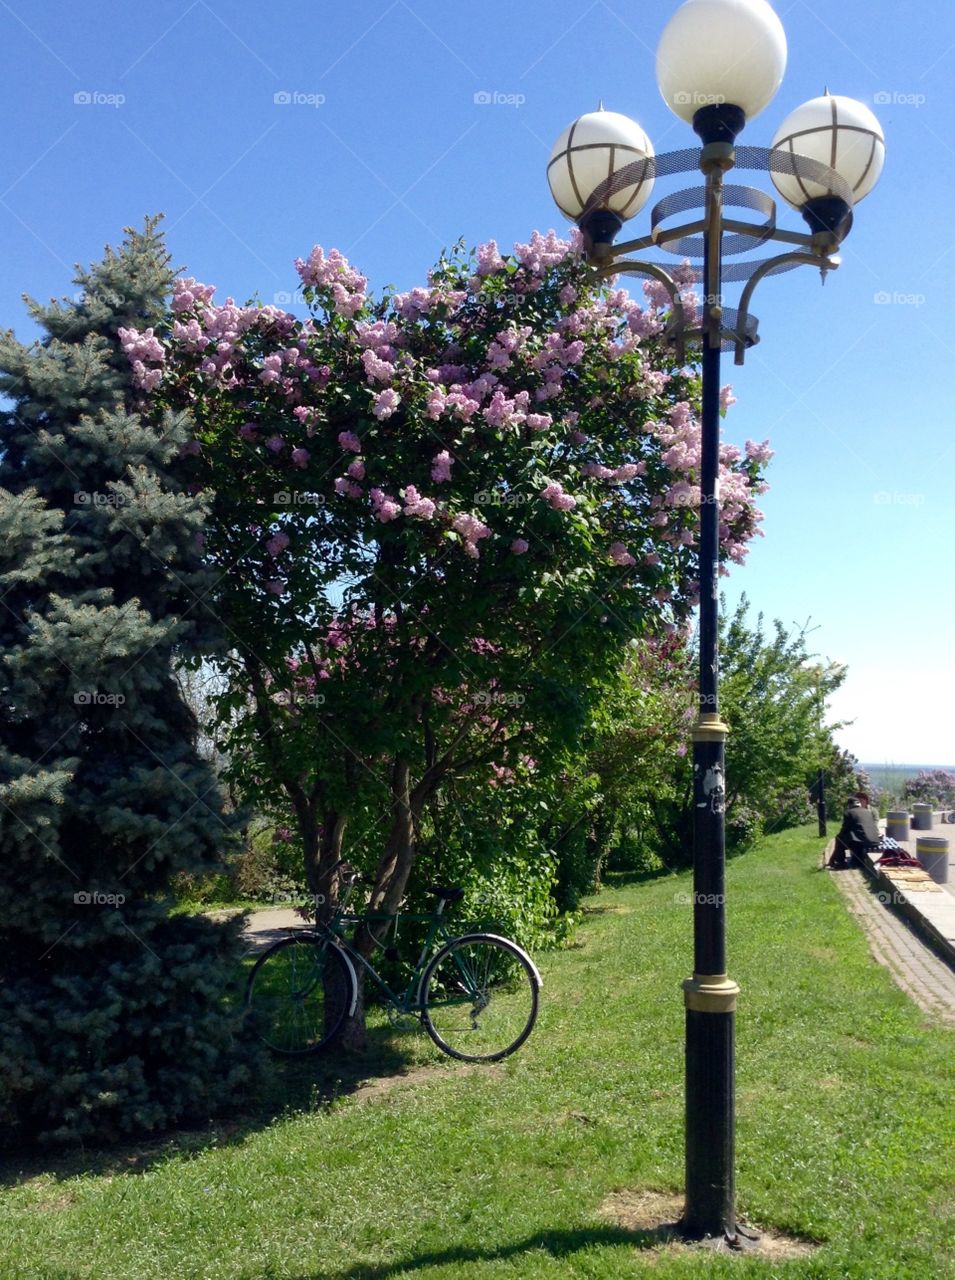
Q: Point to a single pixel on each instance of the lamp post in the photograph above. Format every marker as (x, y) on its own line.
(719, 63)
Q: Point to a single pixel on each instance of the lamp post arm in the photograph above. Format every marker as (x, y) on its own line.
(676, 326)
(771, 265)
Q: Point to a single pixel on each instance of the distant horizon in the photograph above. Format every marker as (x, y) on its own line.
(891, 764)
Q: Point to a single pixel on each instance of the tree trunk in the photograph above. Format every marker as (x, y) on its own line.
(391, 877)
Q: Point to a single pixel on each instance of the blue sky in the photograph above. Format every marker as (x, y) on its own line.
(382, 142)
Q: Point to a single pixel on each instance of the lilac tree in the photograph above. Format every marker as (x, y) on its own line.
(437, 518)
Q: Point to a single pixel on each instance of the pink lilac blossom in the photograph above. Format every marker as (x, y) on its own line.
(376, 369)
(300, 457)
(348, 440)
(415, 505)
(275, 443)
(620, 555)
(356, 469)
(539, 421)
(560, 501)
(271, 369)
(489, 259)
(188, 291)
(726, 397)
(597, 471)
(542, 252)
(760, 453)
(277, 543)
(386, 402)
(471, 530)
(441, 467)
(504, 412)
(437, 400)
(348, 488)
(320, 271)
(385, 508)
(414, 304)
(462, 406)
(519, 546)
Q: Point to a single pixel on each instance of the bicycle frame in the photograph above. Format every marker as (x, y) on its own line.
(410, 1000)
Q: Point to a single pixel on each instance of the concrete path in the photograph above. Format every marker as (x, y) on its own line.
(925, 978)
(265, 927)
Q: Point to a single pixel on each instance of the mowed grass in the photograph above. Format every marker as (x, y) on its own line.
(845, 1103)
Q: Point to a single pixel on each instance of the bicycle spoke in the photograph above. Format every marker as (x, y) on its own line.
(295, 995)
(480, 999)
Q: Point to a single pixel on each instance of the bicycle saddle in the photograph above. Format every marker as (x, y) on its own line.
(446, 895)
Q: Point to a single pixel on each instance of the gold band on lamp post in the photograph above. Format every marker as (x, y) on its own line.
(710, 728)
(710, 993)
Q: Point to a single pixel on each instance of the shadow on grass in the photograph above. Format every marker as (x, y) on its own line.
(621, 879)
(288, 1086)
(557, 1244)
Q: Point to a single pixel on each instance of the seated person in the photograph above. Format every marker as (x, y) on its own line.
(859, 831)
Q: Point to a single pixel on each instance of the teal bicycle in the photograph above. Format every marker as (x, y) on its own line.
(476, 993)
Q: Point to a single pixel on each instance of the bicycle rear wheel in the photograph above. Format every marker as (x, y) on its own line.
(480, 996)
(298, 995)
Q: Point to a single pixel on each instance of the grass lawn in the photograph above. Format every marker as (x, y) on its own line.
(845, 1131)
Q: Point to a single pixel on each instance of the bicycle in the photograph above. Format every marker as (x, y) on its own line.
(476, 994)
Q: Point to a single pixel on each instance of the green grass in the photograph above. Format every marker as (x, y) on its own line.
(844, 1137)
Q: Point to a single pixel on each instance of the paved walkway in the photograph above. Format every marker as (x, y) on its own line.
(265, 927)
(914, 966)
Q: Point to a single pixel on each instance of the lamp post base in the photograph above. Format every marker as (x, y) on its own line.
(710, 1107)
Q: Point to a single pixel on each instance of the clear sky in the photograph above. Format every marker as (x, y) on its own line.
(390, 128)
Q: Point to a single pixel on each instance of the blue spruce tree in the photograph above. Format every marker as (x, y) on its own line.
(115, 1017)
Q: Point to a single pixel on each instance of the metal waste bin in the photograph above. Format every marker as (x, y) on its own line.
(921, 817)
(932, 852)
(897, 824)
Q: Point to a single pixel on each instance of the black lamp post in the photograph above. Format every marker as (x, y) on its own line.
(719, 63)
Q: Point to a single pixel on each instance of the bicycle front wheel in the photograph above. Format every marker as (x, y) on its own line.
(480, 998)
(299, 993)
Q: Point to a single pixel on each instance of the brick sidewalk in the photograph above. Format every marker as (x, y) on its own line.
(915, 968)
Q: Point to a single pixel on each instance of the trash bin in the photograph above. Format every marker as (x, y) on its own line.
(921, 817)
(932, 852)
(897, 824)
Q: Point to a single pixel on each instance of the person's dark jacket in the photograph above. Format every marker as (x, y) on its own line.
(859, 828)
